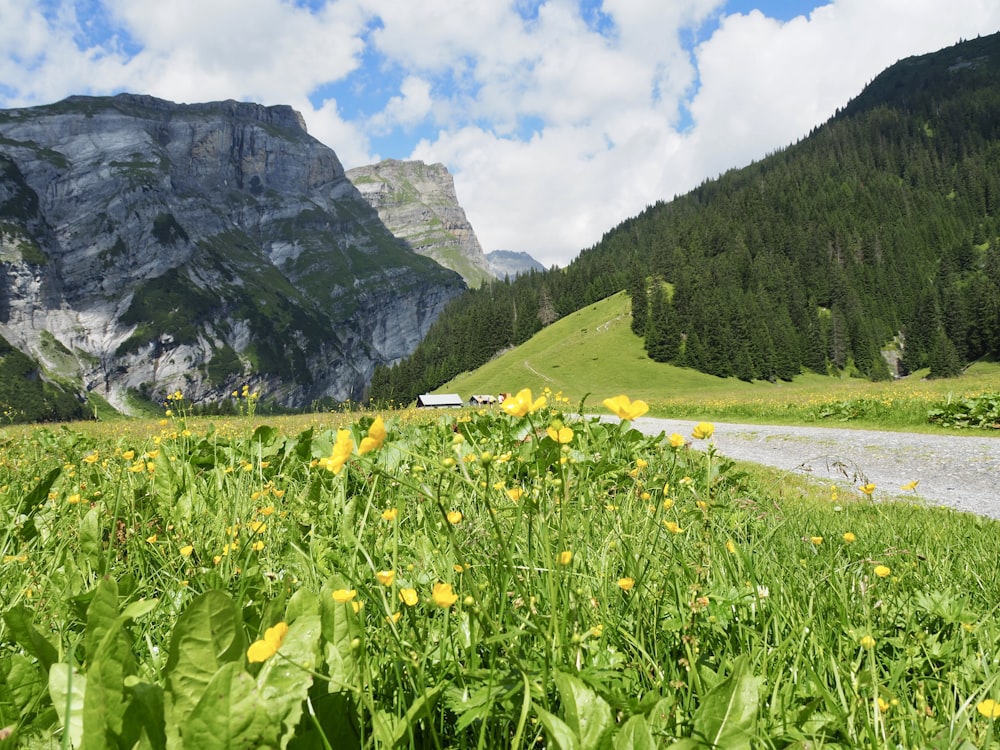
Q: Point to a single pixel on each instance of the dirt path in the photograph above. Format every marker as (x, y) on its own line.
(956, 471)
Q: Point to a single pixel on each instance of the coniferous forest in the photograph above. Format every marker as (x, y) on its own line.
(880, 230)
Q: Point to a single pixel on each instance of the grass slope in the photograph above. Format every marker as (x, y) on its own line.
(593, 351)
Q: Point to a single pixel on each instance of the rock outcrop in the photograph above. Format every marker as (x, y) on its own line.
(509, 263)
(147, 246)
(417, 202)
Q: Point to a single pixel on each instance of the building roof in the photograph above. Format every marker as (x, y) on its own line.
(439, 399)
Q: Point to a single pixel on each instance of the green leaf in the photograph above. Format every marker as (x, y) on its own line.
(726, 715)
(67, 688)
(207, 635)
(91, 543)
(558, 732)
(340, 628)
(586, 713)
(19, 623)
(635, 735)
(282, 681)
(231, 713)
(33, 500)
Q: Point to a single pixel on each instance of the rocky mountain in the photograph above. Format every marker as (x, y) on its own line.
(417, 202)
(510, 263)
(147, 246)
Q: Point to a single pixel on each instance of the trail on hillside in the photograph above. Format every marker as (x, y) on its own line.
(956, 471)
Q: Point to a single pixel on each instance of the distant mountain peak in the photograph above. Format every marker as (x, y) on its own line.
(511, 263)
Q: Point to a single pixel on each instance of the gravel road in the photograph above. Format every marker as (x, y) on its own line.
(956, 471)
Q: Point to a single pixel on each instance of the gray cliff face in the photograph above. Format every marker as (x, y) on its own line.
(417, 202)
(159, 246)
(509, 263)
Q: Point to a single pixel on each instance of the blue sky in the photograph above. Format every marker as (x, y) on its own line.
(557, 118)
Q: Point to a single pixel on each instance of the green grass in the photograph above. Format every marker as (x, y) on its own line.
(475, 579)
(593, 353)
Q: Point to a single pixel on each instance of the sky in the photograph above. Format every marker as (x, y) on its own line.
(558, 119)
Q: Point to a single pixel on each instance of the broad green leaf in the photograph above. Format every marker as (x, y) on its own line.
(283, 681)
(207, 635)
(635, 735)
(33, 500)
(67, 688)
(165, 482)
(558, 732)
(231, 713)
(726, 715)
(340, 628)
(21, 682)
(19, 623)
(586, 713)
(91, 543)
(301, 603)
(144, 717)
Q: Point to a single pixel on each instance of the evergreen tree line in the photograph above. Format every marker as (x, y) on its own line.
(882, 227)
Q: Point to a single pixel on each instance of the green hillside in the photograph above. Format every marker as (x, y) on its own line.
(879, 230)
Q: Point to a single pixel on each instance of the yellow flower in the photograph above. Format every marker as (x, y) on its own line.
(730, 546)
(128, 455)
(867, 489)
(989, 708)
(443, 596)
(867, 642)
(257, 546)
(92, 458)
(625, 408)
(817, 540)
(376, 436)
(151, 539)
(703, 431)
(267, 646)
(342, 450)
(270, 508)
(454, 516)
(522, 403)
(386, 577)
(668, 503)
(73, 499)
(597, 630)
(910, 485)
(883, 571)
(344, 595)
(565, 557)
(514, 493)
(408, 597)
(849, 538)
(186, 550)
(673, 527)
(677, 440)
(626, 584)
(561, 435)
(389, 514)
(883, 705)
(258, 527)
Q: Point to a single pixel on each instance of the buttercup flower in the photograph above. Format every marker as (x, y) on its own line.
(565, 557)
(409, 597)
(454, 516)
(386, 577)
(376, 436)
(560, 434)
(989, 708)
(267, 646)
(625, 408)
(730, 546)
(677, 440)
(849, 537)
(672, 527)
(443, 596)
(817, 540)
(626, 584)
(521, 404)
(703, 431)
(344, 595)
(342, 450)
(389, 514)
(910, 485)
(867, 642)
(186, 550)
(867, 489)
(882, 571)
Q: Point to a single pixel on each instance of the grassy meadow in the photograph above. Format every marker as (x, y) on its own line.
(511, 577)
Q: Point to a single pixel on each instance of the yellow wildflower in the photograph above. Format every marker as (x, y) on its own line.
(867, 489)
(257, 546)
(267, 646)
(342, 450)
(344, 595)
(625, 408)
(443, 596)
(73, 499)
(849, 537)
(730, 546)
(883, 571)
(186, 550)
(454, 516)
(910, 485)
(565, 557)
(561, 435)
(92, 458)
(672, 527)
(389, 514)
(151, 539)
(626, 584)
(867, 642)
(128, 455)
(408, 597)
(817, 540)
(386, 577)
(989, 708)
(514, 493)
(703, 431)
(376, 436)
(677, 440)
(522, 403)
